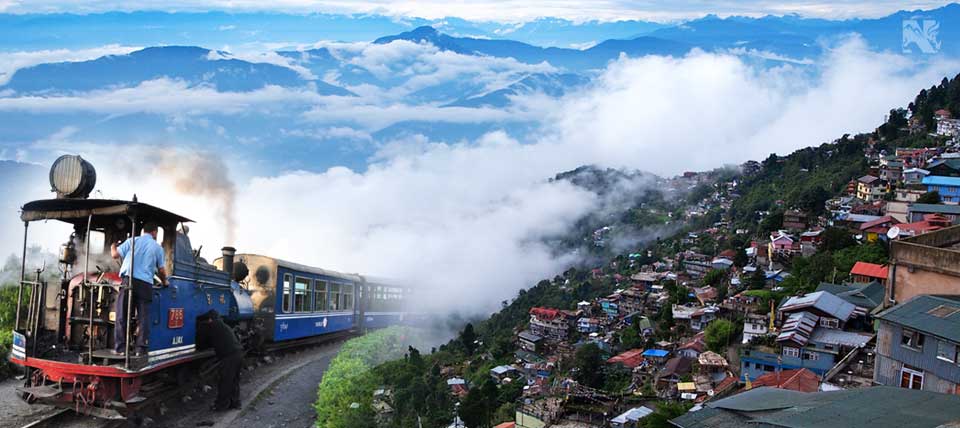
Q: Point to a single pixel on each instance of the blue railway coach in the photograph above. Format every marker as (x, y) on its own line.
(295, 301)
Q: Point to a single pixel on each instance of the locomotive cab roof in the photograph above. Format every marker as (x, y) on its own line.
(77, 210)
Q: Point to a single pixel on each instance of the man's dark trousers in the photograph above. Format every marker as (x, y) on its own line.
(142, 297)
(228, 390)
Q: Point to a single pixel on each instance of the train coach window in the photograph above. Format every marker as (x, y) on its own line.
(321, 296)
(287, 285)
(334, 296)
(346, 294)
(300, 296)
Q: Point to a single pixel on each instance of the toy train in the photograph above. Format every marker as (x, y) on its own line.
(64, 328)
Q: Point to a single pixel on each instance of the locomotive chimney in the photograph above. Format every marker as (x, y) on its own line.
(228, 253)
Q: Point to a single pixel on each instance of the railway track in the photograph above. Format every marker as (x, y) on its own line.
(160, 393)
(51, 420)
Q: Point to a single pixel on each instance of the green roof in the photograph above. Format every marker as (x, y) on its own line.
(876, 407)
(936, 315)
(867, 296)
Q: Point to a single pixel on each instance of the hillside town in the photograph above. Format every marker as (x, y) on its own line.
(725, 334)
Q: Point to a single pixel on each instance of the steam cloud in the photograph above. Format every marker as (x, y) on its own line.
(206, 176)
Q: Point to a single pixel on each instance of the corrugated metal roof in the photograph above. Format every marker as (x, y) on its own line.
(872, 270)
(798, 327)
(935, 208)
(867, 296)
(656, 353)
(840, 337)
(876, 407)
(634, 414)
(916, 314)
(939, 180)
(825, 302)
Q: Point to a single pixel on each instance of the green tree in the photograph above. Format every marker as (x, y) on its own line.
(757, 280)
(714, 277)
(719, 334)
(871, 253)
(812, 199)
(835, 239)
(740, 259)
(480, 405)
(666, 410)
(468, 338)
(772, 222)
(588, 361)
(630, 338)
(930, 198)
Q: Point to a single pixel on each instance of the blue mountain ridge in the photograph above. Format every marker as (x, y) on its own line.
(188, 63)
(572, 59)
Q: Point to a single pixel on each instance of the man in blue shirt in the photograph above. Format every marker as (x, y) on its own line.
(149, 261)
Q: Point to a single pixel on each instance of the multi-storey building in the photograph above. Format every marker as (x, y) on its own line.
(551, 324)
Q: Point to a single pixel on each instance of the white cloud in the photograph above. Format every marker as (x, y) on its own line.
(161, 96)
(667, 115)
(265, 57)
(10, 62)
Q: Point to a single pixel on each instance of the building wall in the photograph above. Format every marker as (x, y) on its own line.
(907, 284)
(948, 194)
(887, 373)
(898, 210)
(756, 362)
(524, 420)
(935, 270)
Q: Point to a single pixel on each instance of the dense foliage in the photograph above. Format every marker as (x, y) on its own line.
(804, 179)
(345, 395)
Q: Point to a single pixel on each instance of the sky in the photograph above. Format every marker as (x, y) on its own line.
(500, 11)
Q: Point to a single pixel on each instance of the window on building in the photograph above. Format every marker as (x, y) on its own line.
(790, 352)
(829, 322)
(946, 351)
(768, 368)
(334, 291)
(911, 339)
(300, 294)
(287, 290)
(910, 378)
(812, 356)
(321, 296)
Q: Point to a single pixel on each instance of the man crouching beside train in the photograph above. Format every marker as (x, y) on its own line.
(212, 332)
(149, 258)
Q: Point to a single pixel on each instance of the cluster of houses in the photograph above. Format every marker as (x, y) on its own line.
(889, 196)
(893, 326)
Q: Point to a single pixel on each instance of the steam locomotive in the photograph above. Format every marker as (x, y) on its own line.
(64, 328)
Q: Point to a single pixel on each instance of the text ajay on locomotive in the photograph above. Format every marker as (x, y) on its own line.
(64, 329)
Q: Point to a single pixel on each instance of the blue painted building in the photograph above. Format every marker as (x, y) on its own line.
(948, 187)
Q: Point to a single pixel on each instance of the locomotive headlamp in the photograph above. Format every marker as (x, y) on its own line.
(72, 177)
